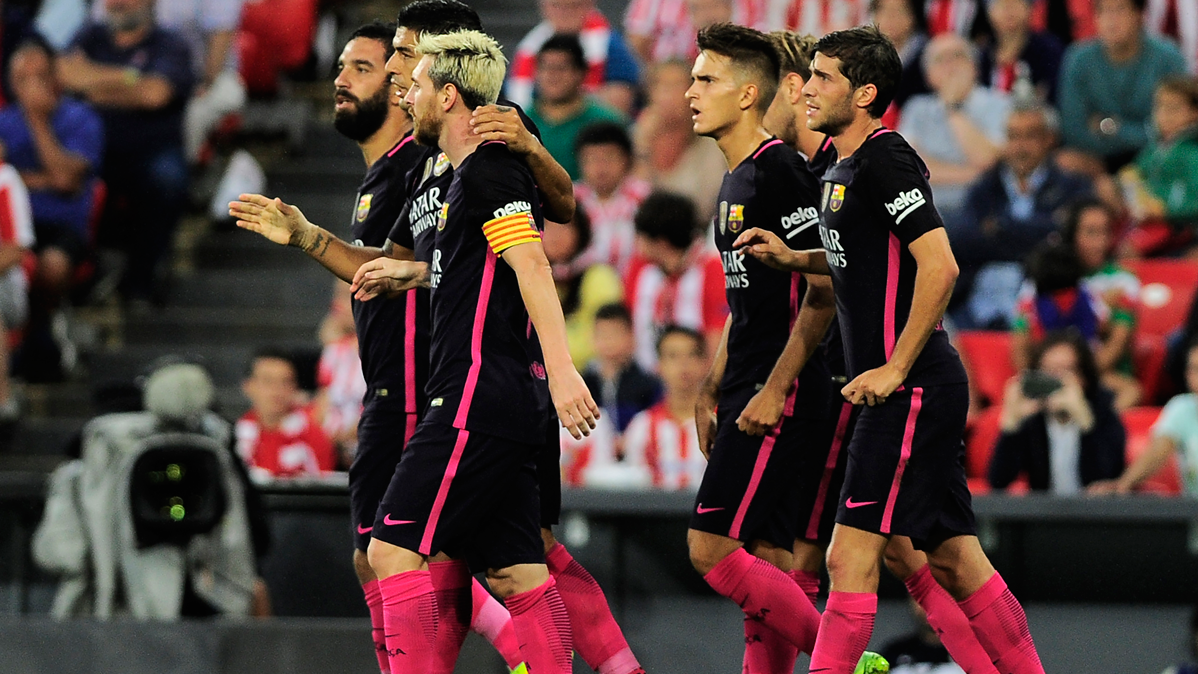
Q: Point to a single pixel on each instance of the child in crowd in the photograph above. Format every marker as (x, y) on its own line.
(280, 436)
(620, 387)
(609, 193)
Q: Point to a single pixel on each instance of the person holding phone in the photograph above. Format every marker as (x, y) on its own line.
(1059, 426)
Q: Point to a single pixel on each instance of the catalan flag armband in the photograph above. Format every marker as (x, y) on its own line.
(510, 229)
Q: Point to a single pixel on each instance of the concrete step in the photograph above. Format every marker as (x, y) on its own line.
(226, 364)
(45, 435)
(290, 288)
(187, 326)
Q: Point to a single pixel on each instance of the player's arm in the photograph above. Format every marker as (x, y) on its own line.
(575, 406)
(772, 251)
(709, 393)
(113, 86)
(764, 410)
(503, 123)
(935, 275)
(286, 225)
(388, 277)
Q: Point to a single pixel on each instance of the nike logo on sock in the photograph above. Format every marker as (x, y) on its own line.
(703, 511)
(364, 530)
(390, 522)
(849, 503)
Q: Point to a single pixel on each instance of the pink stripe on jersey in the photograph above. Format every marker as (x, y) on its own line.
(763, 459)
(817, 512)
(409, 429)
(476, 340)
(904, 456)
(766, 147)
(405, 141)
(409, 353)
(451, 470)
(827, 143)
(894, 258)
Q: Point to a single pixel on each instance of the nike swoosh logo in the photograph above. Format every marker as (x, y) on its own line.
(364, 530)
(390, 522)
(703, 511)
(849, 503)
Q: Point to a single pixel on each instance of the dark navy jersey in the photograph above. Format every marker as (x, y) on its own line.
(392, 334)
(833, 345)
(771, 189)
(485, 374)
(874, 205)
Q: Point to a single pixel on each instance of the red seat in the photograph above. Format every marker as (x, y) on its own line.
(1148, 358)
(276, 36)
(1138, 421)
(983, 435)
(1166, 292)
(987, 358)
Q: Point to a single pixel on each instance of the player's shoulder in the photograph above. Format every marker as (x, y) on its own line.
(888, 153)
(779, 165)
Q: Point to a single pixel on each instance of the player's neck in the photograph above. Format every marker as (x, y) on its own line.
(809, 141)
(388, 136)
(849, 140)
(742, 140)
(458, 139)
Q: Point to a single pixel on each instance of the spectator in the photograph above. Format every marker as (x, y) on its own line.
(960, 17)
(1106, 86)
(340, 384)
(139, 76)
(1164, 178)
(1020, 61)
(668, 153)
(675, 280)
(609, 193)
(593, 461)
(1058, 424)
(612, 72)
(661, 30)
(16, 240)
(903, 22)
(56, 143)
(561, 109)
(1176, 20)
(583, 290)
(1174, 433)
(974, 117)
(1090, 229)
(617, 382)
(920, 652)
(58, 21)
(820, 17)
(279, 436)
(662, 439)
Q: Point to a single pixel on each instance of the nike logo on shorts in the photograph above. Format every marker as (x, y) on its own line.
(703, 511)
(849, 503)
(390, 522)
(364, 530)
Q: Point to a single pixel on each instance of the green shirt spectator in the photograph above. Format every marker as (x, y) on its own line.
(1169, 166)
(558, 135)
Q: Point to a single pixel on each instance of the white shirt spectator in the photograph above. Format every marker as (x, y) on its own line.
(613, 235)
(668, 22)
(16, 228)
(667, 447)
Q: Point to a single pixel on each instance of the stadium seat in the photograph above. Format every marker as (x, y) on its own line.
(1166, 292)
(1138, 421)
(983, 434)
(276, 36)
(987, 357)
(1148, 359)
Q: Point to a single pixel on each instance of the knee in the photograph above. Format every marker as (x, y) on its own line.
(54, 266)
(517, 579)
(377, 557)
(362, 568)
(807, 557)
(902, 560)
(548, 539)
(708, 550)
(847, 564)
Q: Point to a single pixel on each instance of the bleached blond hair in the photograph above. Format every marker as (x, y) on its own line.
(469, 60)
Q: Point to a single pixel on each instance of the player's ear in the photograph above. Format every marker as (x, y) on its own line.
(748, 96)
(793, 85)
(865, 95)
(449, 96)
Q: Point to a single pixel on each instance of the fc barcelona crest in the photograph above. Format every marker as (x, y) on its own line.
(723, 217)
(364, 206)
(836, 200)
(441, 165)
(736, 218)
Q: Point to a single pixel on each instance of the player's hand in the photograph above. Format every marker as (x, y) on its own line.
(763, 412)
(873, 387)
(575, 406)
(503, 123)
(705, 421)
(767, 247)
(386, 276)
(279, 222)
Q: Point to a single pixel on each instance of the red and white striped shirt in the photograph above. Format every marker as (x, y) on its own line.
(595, 38)
(339, 374)
(693, 299)
(950, 16)
(668, 22)
(597, 450)
(667, 446)
(613, 235)
(820, 17)
(1176, 20)
(16, 225)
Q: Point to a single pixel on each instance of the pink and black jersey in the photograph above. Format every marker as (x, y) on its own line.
(874, 205)
(392, 335)
(771, 189)
(486, 374)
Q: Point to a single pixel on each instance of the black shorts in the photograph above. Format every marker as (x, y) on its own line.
(63, 237)
(821, 472)
(383, 430)
(906, 468)
(749, 490)
(549, 476)
(470, 495)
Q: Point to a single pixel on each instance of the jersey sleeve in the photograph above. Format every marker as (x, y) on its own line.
(899, 182)
(792, 205)
(505, 196)
(401, 232)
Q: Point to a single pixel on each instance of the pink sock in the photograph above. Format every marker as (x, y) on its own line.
(410, 620)
(844, 632)
(451, 586)
(1001, 627)
(809, 582)
(374, 600)
(492, 620)
(766, 651)
(945, 616)
(768, 596)
(597, 637)
(543, 628)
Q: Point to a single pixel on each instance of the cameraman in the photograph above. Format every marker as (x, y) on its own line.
(1058, 425)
